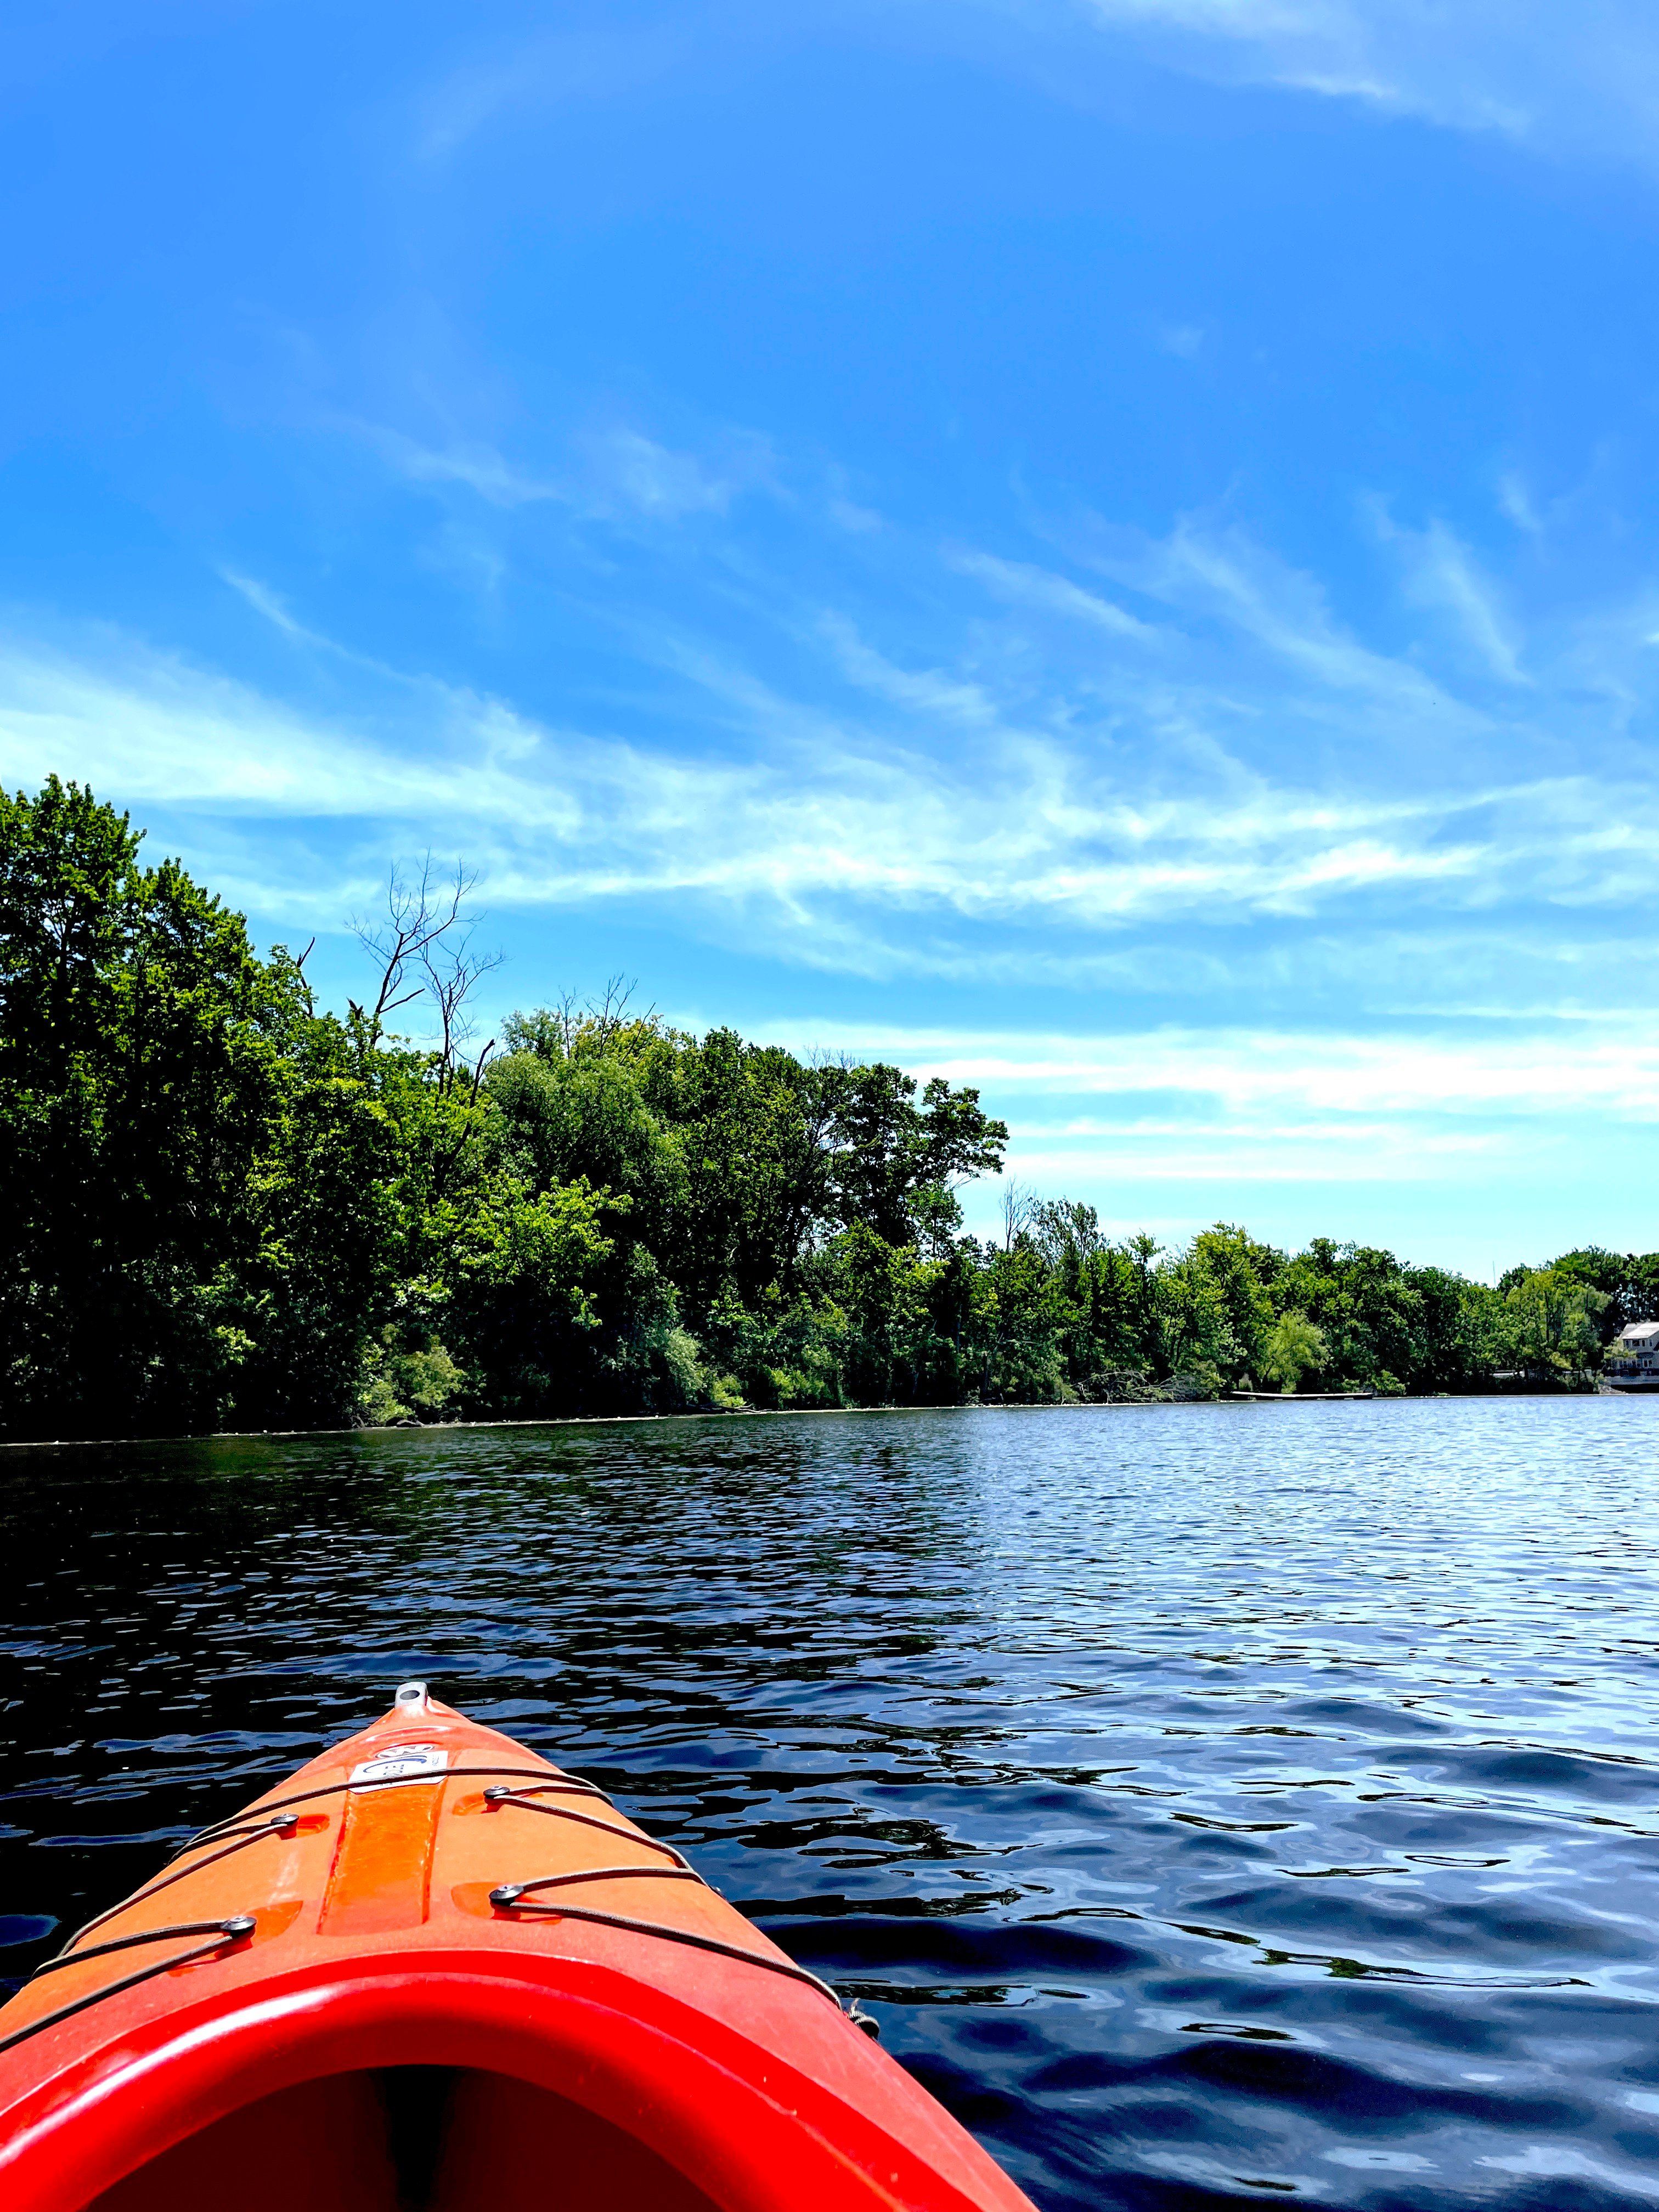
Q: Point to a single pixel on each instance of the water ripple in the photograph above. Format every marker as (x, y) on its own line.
(1216, 1808)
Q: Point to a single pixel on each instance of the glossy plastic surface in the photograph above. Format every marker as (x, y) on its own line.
(275, 2070)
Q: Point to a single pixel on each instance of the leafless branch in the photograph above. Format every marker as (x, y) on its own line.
(451, 974)
(597, 1020)
(423, 946)
(418, 915)
(1019, 1200)
(609, 1013)
(477, 1072)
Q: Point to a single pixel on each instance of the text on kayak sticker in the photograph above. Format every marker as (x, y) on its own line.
(410, 1762)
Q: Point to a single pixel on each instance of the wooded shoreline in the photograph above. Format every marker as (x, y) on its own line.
(454, 1427)
(225, 1209)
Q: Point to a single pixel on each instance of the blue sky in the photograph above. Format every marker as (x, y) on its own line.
(1102, 547)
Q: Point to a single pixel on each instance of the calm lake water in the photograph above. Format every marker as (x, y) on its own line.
(1217, 1804)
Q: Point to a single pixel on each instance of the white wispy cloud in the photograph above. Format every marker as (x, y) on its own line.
(649, 476)
(1242, 1108)
(1009, 772)
(1176, 1124)
(546, 69)
(1216, 572)
(1443, 574)
(848, 514)
(1020, 825)
(480, 468)
(1599, 1066)
(609, 471)
(268, 602)
(1516, 504)
(1025, 585)
(1163, 766)
(1585, 78)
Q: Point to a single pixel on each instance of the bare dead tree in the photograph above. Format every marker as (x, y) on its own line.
(597, 1020)
(423, 946)
(476, 1077)
(608, 1013)
(419, 912)
(453, 971)
(568, 1014)
(1018, 1202)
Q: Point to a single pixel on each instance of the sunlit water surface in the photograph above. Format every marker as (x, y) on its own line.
(1215, 1804)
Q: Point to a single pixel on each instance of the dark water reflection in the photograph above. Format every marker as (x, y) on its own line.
(1215, 1804)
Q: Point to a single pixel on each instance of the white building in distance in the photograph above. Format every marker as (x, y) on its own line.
(1633, 1357)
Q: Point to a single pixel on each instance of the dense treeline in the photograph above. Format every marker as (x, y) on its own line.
(221, 1205)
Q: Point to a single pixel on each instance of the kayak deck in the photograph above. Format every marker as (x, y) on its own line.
(432, 1970)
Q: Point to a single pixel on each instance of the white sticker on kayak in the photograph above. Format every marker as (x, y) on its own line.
(410, 1762)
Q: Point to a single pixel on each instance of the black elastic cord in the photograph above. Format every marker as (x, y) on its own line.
(511, 1891)
(228, 1931)
(274, 1827)
(499, 1791)
(587, 1820)
(397, 1782)
(232, 1835)
(785, 1966)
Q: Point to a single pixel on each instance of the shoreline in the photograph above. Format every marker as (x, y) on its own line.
(806, 1413)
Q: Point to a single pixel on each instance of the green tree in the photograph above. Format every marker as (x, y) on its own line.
(1363, 1305)
(219, 1202)
(890, 1163)
(1628, 1281)
(1237, 1271)
(521, 1270)
(744, 1116)
(882, 1289)
(1294, 1348)
(1554, 1322)
(1096, 1291)
(136, 1084)
(1021, 1321)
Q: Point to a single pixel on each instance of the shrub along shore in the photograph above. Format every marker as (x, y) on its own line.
(224, 1206)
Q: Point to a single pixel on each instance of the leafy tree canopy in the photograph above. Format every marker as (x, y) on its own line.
(222, 1205)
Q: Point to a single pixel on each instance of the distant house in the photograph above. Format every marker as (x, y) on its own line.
(1633, 1357)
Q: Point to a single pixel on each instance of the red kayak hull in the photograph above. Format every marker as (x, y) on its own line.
(398, 2030)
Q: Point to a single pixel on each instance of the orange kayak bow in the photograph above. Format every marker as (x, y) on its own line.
(432, 1970)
